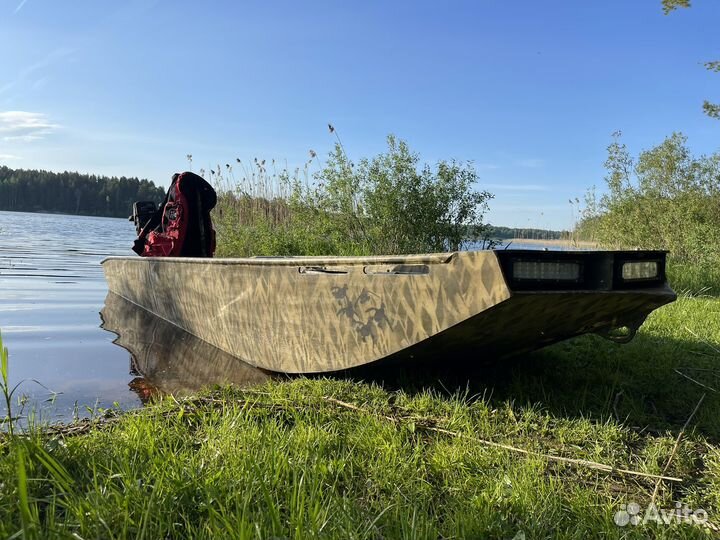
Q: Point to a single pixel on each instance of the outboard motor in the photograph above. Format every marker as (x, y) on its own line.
(181, 226)
(142, 212)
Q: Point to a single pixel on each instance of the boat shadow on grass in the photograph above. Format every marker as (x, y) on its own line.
(651, 384)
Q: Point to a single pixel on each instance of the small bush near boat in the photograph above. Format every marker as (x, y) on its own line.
(387, 204)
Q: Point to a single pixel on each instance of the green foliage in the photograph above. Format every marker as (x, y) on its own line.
(389, 204)
(73, 193)
(672, 5)
(665, 199)
(711, 109)
(713, 66)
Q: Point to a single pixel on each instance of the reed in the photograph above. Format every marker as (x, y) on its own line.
(5, 388)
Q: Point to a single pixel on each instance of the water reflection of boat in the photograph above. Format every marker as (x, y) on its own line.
(320, 314)
(166, 358)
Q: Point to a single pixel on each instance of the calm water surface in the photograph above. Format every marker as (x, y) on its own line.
(51, 291)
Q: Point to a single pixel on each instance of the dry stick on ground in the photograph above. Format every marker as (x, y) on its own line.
(689, 378)
(675, 447)
(571, 461)
(86, 425)
(701, 339)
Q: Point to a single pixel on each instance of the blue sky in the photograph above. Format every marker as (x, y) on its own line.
(530, 91)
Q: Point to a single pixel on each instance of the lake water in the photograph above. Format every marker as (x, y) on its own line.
(52, 290)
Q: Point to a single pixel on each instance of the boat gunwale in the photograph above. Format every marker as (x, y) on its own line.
(430, 258)
(425, 258)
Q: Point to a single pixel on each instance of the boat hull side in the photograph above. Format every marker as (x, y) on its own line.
(283, 315)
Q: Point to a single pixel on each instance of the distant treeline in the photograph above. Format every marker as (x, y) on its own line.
(504, 233)
(73, 193)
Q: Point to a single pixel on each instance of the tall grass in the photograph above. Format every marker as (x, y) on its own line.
(694, 279)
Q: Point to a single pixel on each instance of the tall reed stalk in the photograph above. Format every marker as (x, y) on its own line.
(5, 387)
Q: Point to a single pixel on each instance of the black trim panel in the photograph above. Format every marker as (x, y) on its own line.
(599, 270)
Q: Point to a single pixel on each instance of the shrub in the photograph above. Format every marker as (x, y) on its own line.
(389, 204)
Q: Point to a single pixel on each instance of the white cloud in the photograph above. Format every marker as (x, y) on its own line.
(20, 5)
(531, 163)
(24, 126)
(27, 73)
(487, 166)
(8, 157)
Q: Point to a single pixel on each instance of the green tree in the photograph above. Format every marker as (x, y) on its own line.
(72, 192)
(666, 198)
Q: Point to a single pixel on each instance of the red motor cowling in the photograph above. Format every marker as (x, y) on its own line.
(181, 227)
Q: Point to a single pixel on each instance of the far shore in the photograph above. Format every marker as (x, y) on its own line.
(554, 242)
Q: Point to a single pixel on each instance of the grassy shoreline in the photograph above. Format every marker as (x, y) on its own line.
(327, 458)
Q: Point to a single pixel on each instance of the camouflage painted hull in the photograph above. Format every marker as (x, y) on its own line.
(320, 314)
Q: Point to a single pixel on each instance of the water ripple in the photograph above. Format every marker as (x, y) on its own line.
(51, 290)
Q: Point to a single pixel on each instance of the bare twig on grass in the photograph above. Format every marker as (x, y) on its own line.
(701, 339)
(571, 461)
(675, 447)
(86, 425)
(688, 377)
